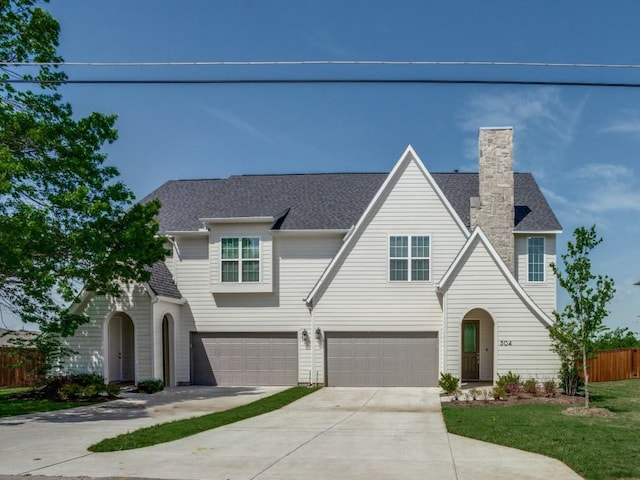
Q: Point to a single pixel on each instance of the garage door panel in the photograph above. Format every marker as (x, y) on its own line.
(244, 359)
(382, 358)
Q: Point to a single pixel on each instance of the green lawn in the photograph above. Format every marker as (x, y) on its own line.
(167, 432)
(13, 403)
(595, 447)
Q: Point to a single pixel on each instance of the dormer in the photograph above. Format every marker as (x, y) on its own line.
(241, 254)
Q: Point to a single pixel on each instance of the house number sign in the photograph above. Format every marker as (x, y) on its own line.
(505, 343)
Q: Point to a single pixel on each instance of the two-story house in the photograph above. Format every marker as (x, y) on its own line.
(350, 279)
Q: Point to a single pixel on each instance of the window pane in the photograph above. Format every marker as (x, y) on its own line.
(420, 269)
(420, 247)
(535, 247)
(230, 271)
(398, 270)
(229, 248)
(251, 271)
(251, 247)
(469, 338)
(399, 247)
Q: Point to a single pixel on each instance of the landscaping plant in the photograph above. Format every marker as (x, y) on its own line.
(448, 383)
(150, 385)
(576, 326)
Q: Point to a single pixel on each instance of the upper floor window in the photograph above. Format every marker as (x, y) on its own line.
(409, 258)
(535, 253)
(240, 259)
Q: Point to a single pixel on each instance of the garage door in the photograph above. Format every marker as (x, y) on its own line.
(382, 359)
(244, 359)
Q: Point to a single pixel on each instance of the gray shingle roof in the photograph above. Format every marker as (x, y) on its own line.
(162, 283)
(324, 201)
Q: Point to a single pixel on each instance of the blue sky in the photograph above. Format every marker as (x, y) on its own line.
(581, 143)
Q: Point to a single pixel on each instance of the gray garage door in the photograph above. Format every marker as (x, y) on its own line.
(381, 359)
(244, 359)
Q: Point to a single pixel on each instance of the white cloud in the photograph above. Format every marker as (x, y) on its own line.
(544, 122)
(627, 122)
(607, 171)
(630, 126)
(608, 187)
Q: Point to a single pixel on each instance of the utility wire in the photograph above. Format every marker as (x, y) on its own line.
(327, 81)
(326, 62)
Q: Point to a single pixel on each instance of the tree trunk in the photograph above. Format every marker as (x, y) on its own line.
(586, 376)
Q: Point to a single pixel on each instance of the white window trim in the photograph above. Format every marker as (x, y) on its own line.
(544, 263)
(239, 260)
(409, 258)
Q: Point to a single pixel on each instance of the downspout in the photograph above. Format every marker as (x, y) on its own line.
(445, 335)
(314, 339)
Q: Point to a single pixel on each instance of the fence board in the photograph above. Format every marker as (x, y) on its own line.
(15, 376)
(610, 365)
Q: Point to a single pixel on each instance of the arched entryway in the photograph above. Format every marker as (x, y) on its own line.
(167, 350)
(477, 346)
(121, 348)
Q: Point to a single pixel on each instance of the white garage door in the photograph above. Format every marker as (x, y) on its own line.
(244, 359)
(382, 359)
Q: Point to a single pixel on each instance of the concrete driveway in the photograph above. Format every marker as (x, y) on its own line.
(348, 433)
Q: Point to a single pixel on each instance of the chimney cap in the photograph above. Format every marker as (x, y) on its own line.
(495, 128)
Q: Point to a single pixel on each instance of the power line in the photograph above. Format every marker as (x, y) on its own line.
(327, 62)
(326, 81)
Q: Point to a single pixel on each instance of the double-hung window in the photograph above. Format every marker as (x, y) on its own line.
(240, 259)
(535, 259)
(409, 258)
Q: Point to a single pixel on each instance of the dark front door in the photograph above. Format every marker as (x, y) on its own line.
(470, 350)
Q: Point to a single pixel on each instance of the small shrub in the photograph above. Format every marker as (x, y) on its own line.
(112, 389)
(510, 382)
(550, 388)
(448, 383)
(498, 392)
(150, 385)
(530, 386)
(78, 386)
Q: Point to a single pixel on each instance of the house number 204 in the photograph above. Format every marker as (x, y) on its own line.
(505, 343)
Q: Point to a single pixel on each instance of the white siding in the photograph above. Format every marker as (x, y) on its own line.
(297, 263)
(542, 293)
(90, 341)
(360, 297)
(265, 285)
(481, 284)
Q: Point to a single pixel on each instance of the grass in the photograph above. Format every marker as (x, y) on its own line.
(167, 432)
(12, 402)
(595, 447)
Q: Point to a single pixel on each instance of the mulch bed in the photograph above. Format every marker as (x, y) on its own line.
(518, 399)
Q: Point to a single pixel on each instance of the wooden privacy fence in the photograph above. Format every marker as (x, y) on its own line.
(16, 376)
(610, 365)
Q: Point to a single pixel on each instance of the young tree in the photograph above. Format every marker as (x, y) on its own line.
(581, 319)
(66, 223)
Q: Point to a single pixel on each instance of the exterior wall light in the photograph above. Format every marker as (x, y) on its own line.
(305, 335)
(318, 333)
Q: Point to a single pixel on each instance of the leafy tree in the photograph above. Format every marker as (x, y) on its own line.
(581, 319)
(66, 223)
(617, 338)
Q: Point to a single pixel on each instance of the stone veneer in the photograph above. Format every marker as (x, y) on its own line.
(494, 210)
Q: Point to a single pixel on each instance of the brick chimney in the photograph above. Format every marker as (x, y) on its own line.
(493, 211)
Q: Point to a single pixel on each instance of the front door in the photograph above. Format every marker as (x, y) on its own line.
(121, 349)
(470, 350)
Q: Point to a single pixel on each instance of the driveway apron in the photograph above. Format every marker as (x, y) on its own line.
(335, 433)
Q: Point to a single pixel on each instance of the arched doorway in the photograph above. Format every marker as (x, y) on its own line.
(167, 350)
(121, 347)
(477, 346)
